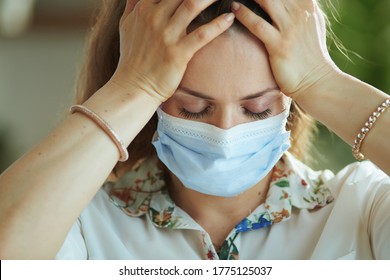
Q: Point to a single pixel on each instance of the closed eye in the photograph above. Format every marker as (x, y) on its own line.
(258, 116)
(191, 115)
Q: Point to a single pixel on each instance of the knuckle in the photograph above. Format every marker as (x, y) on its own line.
(259, 26)
(220, 24)
(202, 34)
(191, 5)
(151, 20)
(243, 15)
(166, 37)
(140, 8)
(267, 4)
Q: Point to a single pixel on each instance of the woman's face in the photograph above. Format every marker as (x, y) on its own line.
(227, 83)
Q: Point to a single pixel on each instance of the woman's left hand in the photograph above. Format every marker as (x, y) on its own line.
(295, 41)
(303, 69)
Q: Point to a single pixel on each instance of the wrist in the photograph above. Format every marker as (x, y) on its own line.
(313, 93)
(126, 109)
(130, 89)
(135, 81)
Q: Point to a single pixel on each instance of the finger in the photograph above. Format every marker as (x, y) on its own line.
(276, 9)
(262, 29)
(168, 8)
(187, 12)
(290, 5)
(297, 8)
(159, 11)
(205, 34)
(308, 9)
(307, 5)
(130, 4)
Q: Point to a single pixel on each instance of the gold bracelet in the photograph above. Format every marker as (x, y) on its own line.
(124, 155)
(366, 129)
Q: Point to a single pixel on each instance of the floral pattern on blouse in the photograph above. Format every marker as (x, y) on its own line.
(134, 191)
(142, 191)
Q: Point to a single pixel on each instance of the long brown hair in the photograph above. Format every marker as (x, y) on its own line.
(102, 56)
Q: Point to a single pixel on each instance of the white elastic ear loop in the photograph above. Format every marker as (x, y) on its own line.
(287, 101)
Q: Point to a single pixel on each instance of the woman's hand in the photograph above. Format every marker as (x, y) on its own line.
(296, 42)
(155, 47)
(301, 65)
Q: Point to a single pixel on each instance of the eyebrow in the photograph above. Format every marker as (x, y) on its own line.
(205, 96)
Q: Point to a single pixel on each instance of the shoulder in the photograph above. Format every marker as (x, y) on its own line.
(363, 170)
(363, 176)
(359, 179)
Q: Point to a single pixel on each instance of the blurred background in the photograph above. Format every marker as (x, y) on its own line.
(41, 51)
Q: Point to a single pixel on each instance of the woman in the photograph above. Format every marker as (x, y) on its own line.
(219, 182)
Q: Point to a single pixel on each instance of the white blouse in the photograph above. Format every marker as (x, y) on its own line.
(307, 215)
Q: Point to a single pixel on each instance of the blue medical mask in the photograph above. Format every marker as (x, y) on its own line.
(220, 162)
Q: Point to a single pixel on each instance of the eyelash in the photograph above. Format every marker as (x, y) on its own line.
(189, 115)
(258, 116)
(255, 116)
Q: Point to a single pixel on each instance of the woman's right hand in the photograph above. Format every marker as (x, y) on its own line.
(70, 165)
(155, 47)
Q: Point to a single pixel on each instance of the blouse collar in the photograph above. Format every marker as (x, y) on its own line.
(142, 191)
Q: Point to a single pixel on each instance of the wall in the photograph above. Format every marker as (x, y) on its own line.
(37, 74)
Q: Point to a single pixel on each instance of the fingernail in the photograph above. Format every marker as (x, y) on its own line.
(235, 6)
(229, 17)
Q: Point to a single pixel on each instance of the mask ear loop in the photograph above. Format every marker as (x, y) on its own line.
(287, 101)
(289, 106)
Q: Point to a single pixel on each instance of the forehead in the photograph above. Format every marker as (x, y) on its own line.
(233, 65)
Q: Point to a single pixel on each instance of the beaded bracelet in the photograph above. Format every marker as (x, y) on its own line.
(124, 155)
(366, 129)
